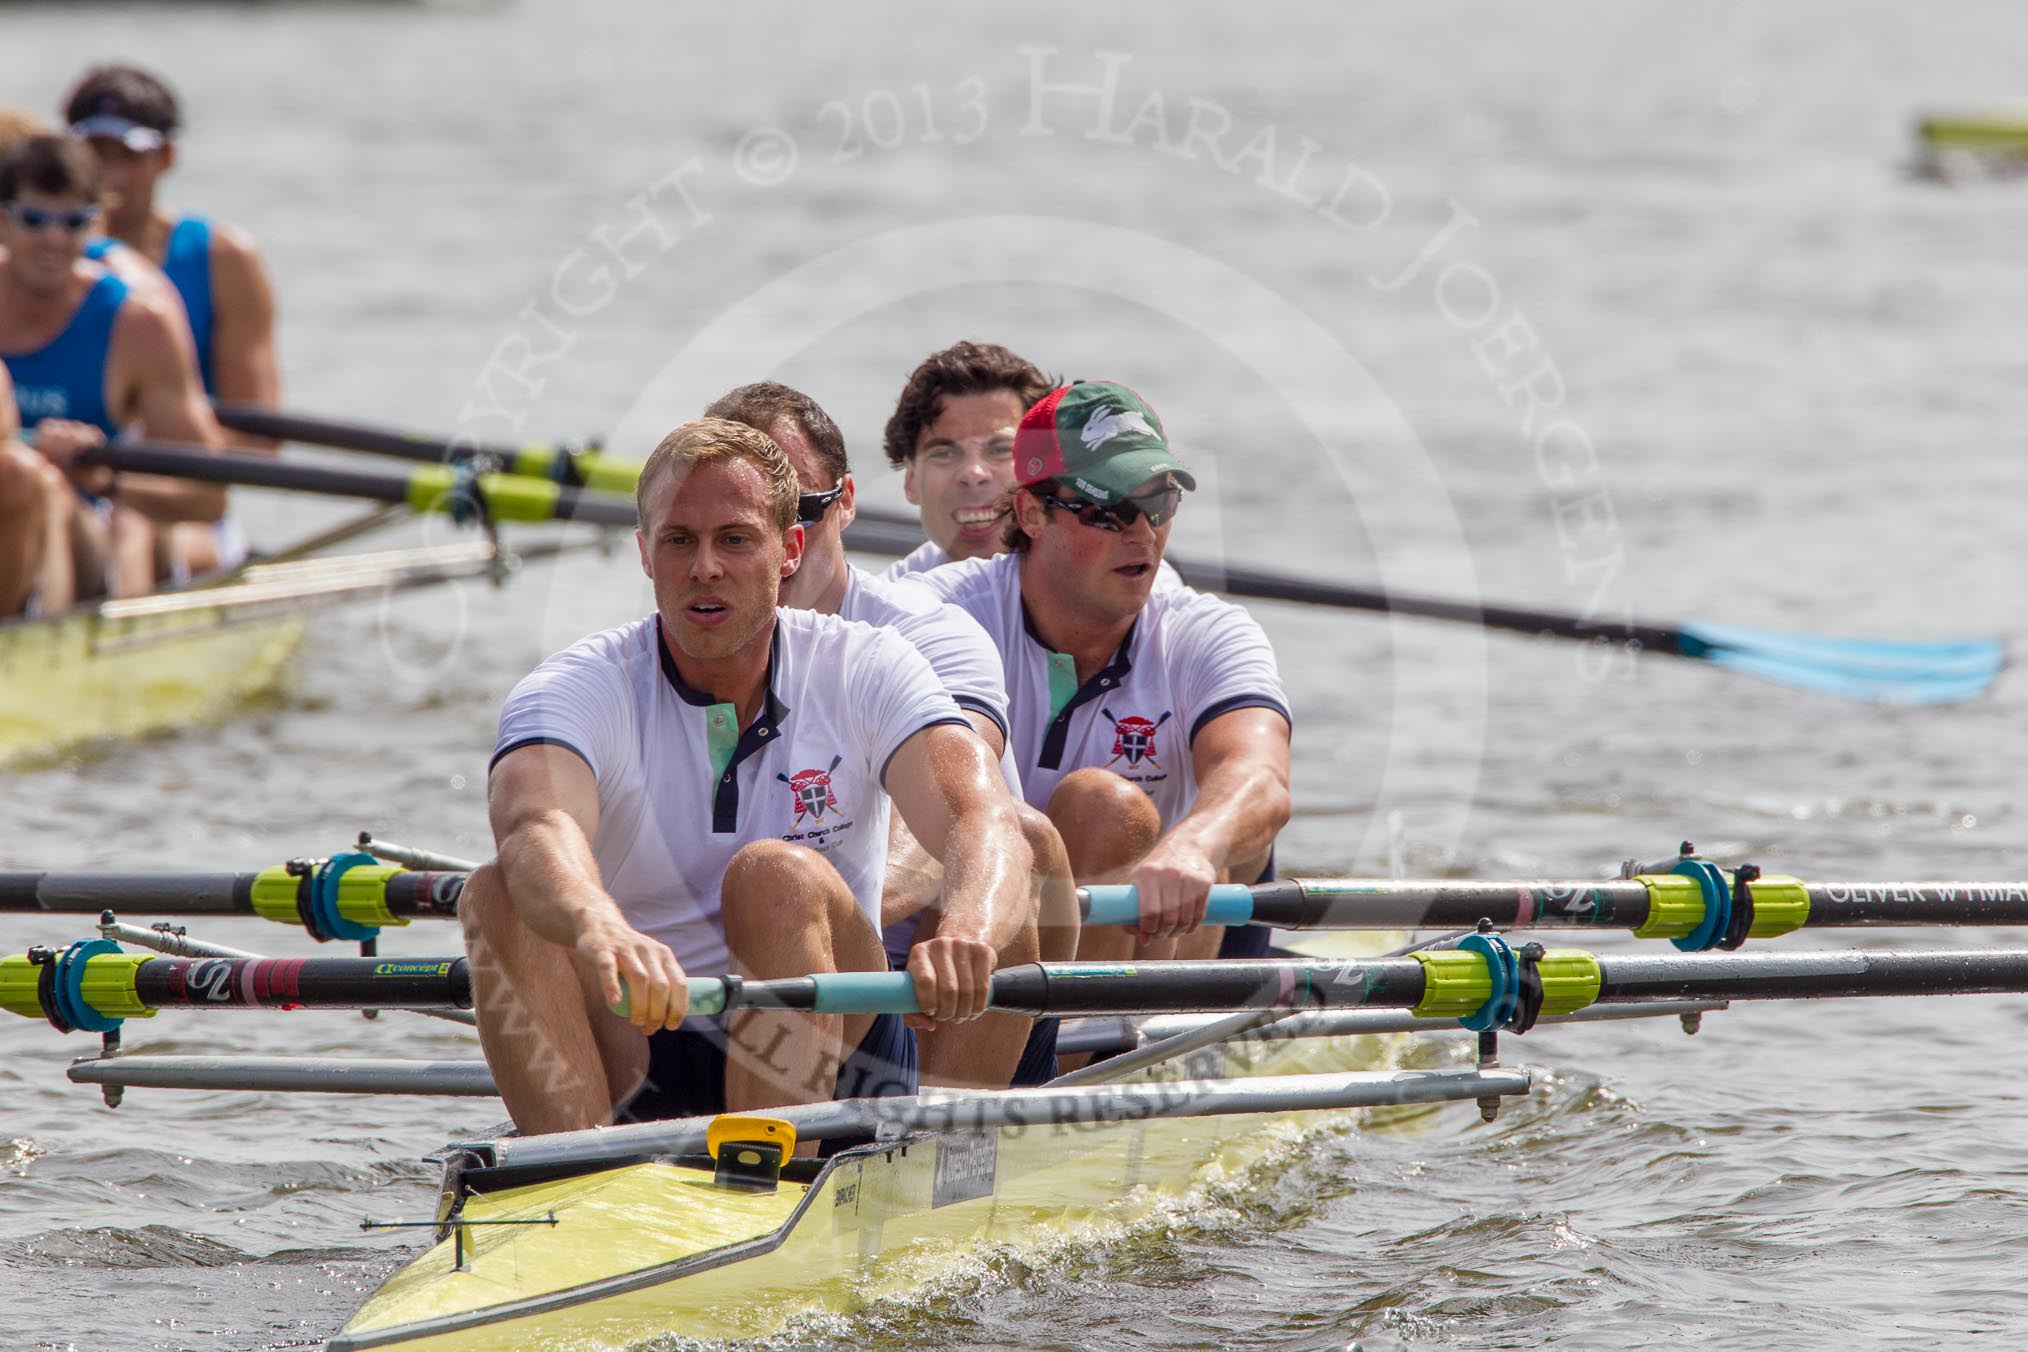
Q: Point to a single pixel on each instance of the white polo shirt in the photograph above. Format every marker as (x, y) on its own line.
(682, 787)
(929, 554)
(1189, 658)
(957, 648)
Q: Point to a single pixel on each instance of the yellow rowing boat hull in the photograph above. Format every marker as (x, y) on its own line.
(95, 674)
(652, 1250)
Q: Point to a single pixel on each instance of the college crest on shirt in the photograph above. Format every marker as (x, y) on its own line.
(818, 815)
(1134, 741)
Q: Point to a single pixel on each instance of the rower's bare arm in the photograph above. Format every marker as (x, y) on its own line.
(243, 330)
(989, 732)
(1242, 765)
(10, 417)
(544, 805)
(948, 789)
(155, 374)
(914, 879)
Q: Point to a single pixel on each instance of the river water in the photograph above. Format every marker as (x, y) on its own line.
(1628, 306)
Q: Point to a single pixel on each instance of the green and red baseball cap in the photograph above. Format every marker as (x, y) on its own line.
(1097, 439)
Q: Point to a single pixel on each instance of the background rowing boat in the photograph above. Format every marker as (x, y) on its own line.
(1800, 371)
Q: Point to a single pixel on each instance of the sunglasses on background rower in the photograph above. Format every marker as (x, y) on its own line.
(810, 507)
(40, 218)
(1158, 506)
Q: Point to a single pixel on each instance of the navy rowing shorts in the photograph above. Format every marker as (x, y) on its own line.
(686, 1071)
(1038, 1056)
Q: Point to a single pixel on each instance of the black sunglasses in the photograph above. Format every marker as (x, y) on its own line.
(39, 218)
(810, 507)
(1158, 506)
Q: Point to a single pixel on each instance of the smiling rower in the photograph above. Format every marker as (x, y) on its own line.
(1148, 721)
(708, 789)
(952, 437)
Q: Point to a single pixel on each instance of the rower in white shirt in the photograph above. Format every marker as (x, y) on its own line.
(707, 789)
(1148, 721)
(998, 1049)
(952, 437)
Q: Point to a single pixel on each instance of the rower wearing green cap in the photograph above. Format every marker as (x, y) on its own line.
(1148, 721)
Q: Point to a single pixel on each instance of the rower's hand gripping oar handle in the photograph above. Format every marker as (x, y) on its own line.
(1119, 904)
(836, 993)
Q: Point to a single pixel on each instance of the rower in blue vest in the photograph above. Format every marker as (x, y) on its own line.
(131, 119)
(125, 263)
(87, 356)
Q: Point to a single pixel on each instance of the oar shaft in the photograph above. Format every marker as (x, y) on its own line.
(579, 468)
(308, 983)
(1663, 906)
(1083, 988)
(272, 893)
(430, 488)
(79, 986)
(279, 426)
(1242, 581)
(1812, 976)
(149, 893)
(1451, 983)
(882, 532)
(1458, 983)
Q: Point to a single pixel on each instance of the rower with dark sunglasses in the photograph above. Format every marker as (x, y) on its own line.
(1148, 721)
(998, 1049)
(88, 356)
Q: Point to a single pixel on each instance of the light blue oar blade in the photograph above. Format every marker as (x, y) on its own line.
(1883, 670)
(1919, 658)
(1113, 904)
(1853, 685)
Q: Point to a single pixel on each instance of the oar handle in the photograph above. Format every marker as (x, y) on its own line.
(826, 993)
(1119, 904)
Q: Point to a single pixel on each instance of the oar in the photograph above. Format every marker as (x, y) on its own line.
(1893, 671)
(333, 898)
(427, 488)
(1698, 906)
(579, 466)
(356, 889)
(1484, 983)
(93, 984)
(1459, 983)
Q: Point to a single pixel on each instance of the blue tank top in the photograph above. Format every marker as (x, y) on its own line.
(66, 377)
(187, 263)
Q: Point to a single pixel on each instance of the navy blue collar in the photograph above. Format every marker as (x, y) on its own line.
(773, 711)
